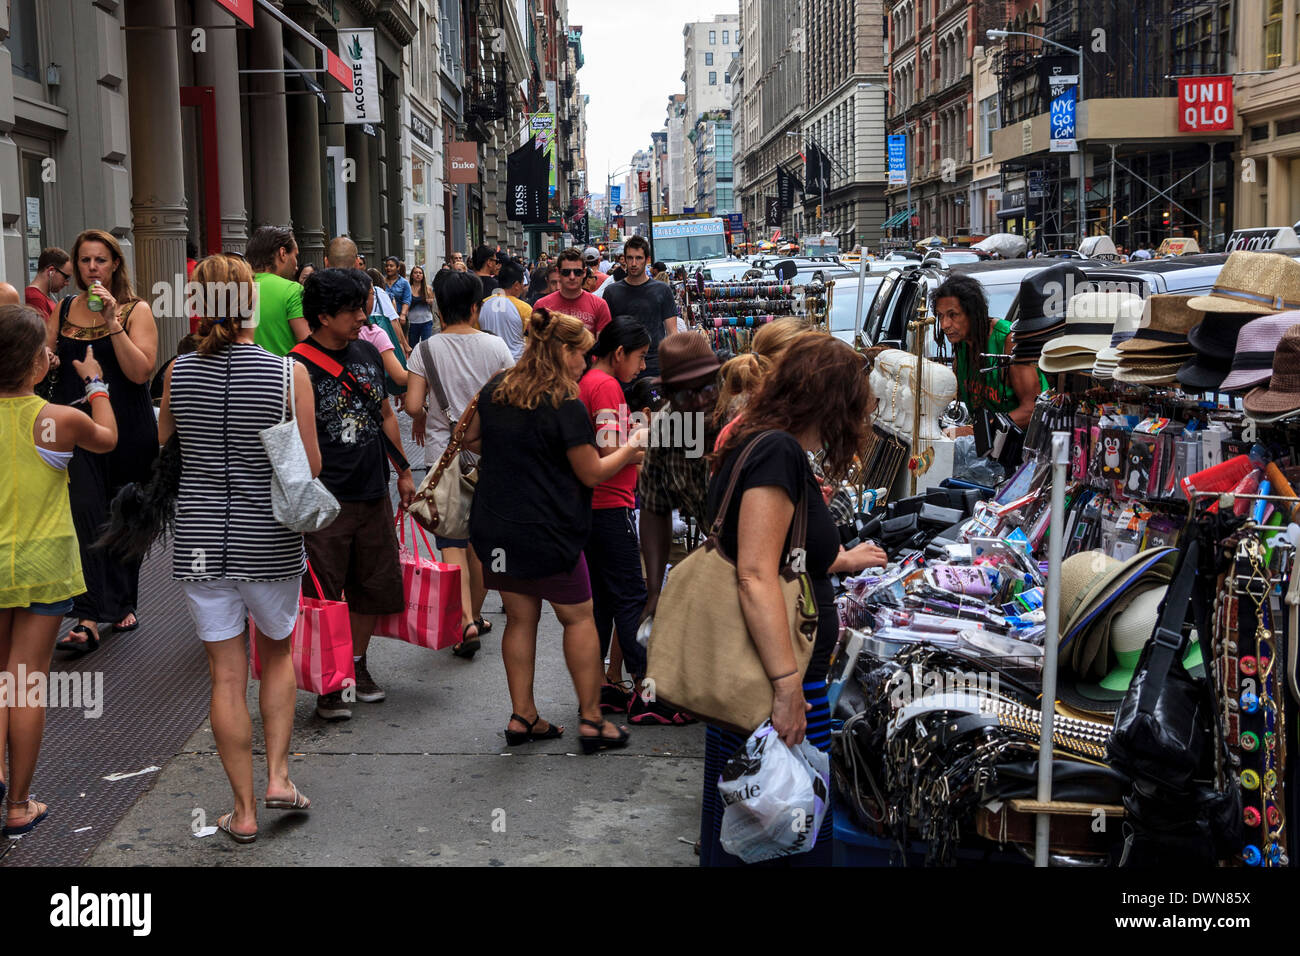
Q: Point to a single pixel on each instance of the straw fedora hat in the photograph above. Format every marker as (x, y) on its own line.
(1166, 320)
(1090, 321)
(1252, 364)
(1253, 283)
(1282, 393)
(1160, 373)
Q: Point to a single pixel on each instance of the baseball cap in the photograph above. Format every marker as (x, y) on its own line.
(590, 254)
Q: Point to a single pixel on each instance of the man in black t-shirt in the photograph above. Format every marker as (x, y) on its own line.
(486, 266)
(650, 303)
(355, 557)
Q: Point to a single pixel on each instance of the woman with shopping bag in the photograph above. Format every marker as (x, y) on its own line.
(233, 557)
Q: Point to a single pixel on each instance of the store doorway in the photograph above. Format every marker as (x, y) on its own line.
(36, 171)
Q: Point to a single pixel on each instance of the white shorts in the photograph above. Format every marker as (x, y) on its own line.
(221, 608)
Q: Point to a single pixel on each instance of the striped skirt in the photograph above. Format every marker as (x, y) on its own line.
(720, 746)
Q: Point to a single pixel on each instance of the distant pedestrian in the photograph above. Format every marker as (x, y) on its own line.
(53, 273)
(504, 313)
(463, 359)
(650, 303)
(399, 290)
(532, 514)
(225, 482)
(41, 570)
(420, 320)
(572, 298)
(273, 253)
(486, 266)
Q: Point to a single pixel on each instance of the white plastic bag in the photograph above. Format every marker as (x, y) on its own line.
(775, 797)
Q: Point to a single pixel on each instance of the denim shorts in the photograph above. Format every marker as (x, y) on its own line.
(58, 609)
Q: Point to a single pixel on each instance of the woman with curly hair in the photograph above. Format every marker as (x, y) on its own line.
(532, 515)
(784, 422)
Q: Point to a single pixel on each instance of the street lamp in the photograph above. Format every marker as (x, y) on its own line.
(1002, 34)
(907, 151)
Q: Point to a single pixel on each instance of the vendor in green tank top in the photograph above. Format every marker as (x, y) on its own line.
(962, 311)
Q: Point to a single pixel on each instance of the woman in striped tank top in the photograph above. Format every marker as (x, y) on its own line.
(232, 557)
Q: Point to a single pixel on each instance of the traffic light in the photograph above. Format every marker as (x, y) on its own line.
(1166, 217)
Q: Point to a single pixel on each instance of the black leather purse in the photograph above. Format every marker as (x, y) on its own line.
(1164, 725)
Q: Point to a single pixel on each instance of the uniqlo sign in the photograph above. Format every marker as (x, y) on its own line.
(1205, 104)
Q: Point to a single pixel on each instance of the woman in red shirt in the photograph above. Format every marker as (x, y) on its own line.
(613, 554)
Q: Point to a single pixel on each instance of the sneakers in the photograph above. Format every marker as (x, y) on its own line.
(616, 698)
(644, 712)
(333, 707)
(367, 689)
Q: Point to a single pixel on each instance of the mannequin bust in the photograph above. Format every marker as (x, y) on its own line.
(893, 381)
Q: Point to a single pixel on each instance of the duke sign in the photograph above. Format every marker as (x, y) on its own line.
(1205, 104)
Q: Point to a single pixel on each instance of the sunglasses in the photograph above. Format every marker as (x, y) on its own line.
(573, 272)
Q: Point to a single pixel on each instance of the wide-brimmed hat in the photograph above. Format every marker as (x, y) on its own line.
(1202, 373)
(1253, 283)
(1162, 373)
(1126, 326)
(1166, 320)
(1091, 582)
(1282, 393)
(1253, 362)
(1045, 294)
(1216, 335)
(685, 357)
(1090, 320)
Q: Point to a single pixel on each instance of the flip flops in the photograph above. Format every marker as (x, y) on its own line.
(484, 626)
(120, 629)
(299, 801)
(468, 646)
(223, 824)
(83, 645)
(27, 827)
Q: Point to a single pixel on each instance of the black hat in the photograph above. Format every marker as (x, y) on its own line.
(1044, 295)
(1216, 335)
(1204, 373)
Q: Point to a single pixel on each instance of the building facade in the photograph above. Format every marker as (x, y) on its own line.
(709, 46)
(1267, 162)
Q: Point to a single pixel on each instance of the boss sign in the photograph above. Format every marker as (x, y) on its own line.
(1205, 104)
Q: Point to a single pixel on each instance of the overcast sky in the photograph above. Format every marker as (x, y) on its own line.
(633, 56)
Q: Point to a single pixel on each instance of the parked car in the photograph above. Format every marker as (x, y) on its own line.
(844, 304)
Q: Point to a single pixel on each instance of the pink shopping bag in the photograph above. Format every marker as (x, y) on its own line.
(433, 605)
(321, 644)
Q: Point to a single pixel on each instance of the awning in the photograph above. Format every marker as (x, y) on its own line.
(293, 66)
(1015, 212)
(899, 218)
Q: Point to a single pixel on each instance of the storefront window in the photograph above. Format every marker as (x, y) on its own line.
(1273, 35)
(419, 192)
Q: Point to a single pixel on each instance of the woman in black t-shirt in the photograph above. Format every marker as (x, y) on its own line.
(532, 515)
(787, 420)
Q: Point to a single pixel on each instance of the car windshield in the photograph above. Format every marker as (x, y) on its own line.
(845, 303)
(1001, 298)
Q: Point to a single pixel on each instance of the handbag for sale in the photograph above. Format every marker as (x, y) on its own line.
(431, 617)
(701, 657)
(299, 502)
(442, 502)
(1163, 726)
(321, 646)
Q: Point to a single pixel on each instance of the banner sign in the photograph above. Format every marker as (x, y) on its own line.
(1056, 72)
(541, 127)
(897, 160)
(462, 162)
(615, 196)
(357, 49)
(1205, 104)
(526, 174)
(737, 223)
(788, 188)
(643, 180)
(772, 211)
(242, 9)
(1063, 119)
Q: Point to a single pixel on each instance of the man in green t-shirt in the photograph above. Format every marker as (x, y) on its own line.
(963, 315)
(273, 253)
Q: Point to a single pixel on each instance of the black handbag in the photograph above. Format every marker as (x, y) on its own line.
(1163, 727)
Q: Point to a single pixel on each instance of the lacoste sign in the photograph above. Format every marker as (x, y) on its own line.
(357, 50)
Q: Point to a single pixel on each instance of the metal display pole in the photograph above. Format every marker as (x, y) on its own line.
(1055, 551)
(857, 311)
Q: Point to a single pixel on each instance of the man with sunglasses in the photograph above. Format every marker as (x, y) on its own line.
(573, 299)
(53, 273)
(675, 477)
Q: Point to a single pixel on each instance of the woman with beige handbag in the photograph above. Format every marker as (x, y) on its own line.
(450, 368)
(763, 500)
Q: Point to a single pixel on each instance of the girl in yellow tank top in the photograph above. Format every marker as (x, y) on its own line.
(40, 567)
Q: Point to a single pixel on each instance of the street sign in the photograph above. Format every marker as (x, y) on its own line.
(615, 195)
(897, 160)
(1037, 183)
(1205, 104)
(736, 220)
(1063, 122)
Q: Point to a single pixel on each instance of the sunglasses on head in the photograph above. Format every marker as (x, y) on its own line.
(573, 272)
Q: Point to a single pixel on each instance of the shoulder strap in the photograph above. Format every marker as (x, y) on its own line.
(435, 380)
(318, 358)
(449, 453)
(289, 390)
(349, 382)
(1167, 642)
(801, 509)
(64, 306)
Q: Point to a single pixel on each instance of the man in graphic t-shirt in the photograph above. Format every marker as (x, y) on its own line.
(355, 557)
(572, 299)
(650, 303)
